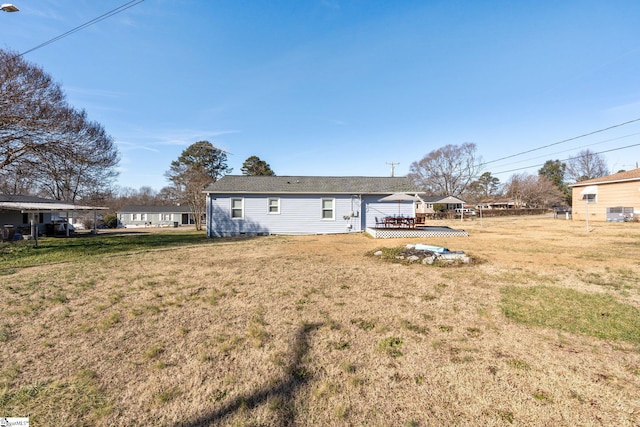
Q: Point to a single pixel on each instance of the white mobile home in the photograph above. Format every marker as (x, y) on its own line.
(155, 216)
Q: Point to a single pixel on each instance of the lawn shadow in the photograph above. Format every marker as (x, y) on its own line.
(283, 391)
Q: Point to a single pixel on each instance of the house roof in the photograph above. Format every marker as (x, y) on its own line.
(16, 198)
(39, 204)
(154, 209)
(498, 201)
(240, 184)
(632, 175)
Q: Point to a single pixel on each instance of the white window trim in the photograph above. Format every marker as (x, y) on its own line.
(241, 217)
(333, 209)
(277, 199)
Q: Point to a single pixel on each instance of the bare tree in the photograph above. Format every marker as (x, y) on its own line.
(586, 165)
(534, 191)
(169, 196)
(32, 107)
(118, 197)
(147, 196)
(449, 170)
(15, 180)
(44, 141)
(85, 160)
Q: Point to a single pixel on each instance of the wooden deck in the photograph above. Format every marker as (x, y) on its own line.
(419, 231)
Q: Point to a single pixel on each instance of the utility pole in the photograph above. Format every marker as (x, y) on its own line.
(393, 167)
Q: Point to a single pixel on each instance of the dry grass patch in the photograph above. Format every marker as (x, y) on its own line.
(310, 330)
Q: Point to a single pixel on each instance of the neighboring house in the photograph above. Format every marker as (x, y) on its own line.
(18, 213)
(449, 202)
(239, 205)
(500, 203)
(155, 216)
(608, 198)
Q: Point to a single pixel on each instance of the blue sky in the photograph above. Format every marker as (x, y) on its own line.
(329, 87)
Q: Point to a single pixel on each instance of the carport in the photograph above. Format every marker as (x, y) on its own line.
(34, 206)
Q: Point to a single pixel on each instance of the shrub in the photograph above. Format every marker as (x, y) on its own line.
(110, 220)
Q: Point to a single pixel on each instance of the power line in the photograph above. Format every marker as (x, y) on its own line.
(102, 17)
(571, 149)
(563, 160)
(561, 142)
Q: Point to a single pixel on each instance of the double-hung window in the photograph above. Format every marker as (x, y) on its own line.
(237, 209)
(274, 206)
(134, 217)
(165, 217)
(328, 209)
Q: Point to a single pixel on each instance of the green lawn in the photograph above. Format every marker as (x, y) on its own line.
(56, 249)
(597, 315)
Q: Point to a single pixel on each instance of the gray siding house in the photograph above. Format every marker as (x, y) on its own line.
(252, 205)
(154, 216)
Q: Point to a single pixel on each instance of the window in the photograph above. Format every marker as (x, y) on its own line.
(134, 217)
(327, 209)
(237, 209)
(590, 194)
(143, 217)
(165, 217)
(274, 206)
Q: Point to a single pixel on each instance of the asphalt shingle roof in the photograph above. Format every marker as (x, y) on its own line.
(631, 175)
(16, 198)
(230, 184)
(154, 209)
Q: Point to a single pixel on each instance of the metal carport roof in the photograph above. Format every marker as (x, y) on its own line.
(46, 206)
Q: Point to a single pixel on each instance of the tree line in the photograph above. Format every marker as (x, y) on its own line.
(51, 149)
(457, 170)
(198, 166)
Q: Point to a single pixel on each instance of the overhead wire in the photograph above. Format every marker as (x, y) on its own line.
(561, 142)
(102, 17)
(570, 149)
(542, 164)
